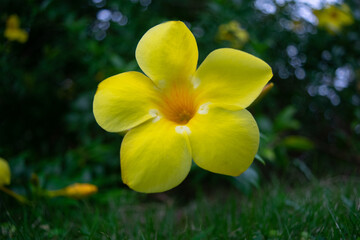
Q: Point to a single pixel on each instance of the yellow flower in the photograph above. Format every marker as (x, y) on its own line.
(334, 18)
(13, 32)
(76, 190)
(177, 113)
(80, 190)
(233, 33)
(5, 174)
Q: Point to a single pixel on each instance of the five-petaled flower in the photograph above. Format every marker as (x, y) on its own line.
(13, 32)
(333, 18)
(177, 113)
(233, 33)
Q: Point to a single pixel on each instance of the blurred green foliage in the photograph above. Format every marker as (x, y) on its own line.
(309, 120)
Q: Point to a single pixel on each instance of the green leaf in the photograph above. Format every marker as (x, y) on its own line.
(285, 120)
(260, 159)
(298, 143)
(117, 61)
(247, 180)
(269, 154)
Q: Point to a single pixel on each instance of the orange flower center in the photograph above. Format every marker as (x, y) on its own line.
(179, 104)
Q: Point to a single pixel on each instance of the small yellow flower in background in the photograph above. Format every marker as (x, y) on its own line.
(233, 33)
(80, 190)
(5, 174)
(178, 113)
(76, 190)
(13, 32)
(334, 18)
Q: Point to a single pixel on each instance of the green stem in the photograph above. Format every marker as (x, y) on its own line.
(263, 93)
(55, 193)
(18, 197)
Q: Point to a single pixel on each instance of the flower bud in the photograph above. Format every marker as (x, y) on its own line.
(80, 190)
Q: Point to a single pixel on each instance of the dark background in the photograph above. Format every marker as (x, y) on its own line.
(310, 120)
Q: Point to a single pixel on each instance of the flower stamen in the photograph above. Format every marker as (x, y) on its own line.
(179, 104)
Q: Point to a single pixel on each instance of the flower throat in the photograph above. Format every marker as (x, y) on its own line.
(178, 104)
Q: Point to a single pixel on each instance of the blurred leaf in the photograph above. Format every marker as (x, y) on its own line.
(304, 169)
(260, 159)
(269, 154)
(259, 47)
(247, 180)
(265, 125)
(117, 61)
(285, 120)
(298, 143)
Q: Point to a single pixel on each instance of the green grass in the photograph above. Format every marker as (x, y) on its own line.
(326, 209)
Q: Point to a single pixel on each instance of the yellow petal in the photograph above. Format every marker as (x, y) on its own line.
(12, 34)
(231, 77)
(13, 21)
(124, 101)
(155, 156)
(223, 141)
(22, 36)
(167, 52)
(4, 172)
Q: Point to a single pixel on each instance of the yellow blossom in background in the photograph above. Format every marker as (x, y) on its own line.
(176, 113)
(13, 32)
(80, 190)
(334, 18)
(76, 190)
(233, 33)
(5, 174)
